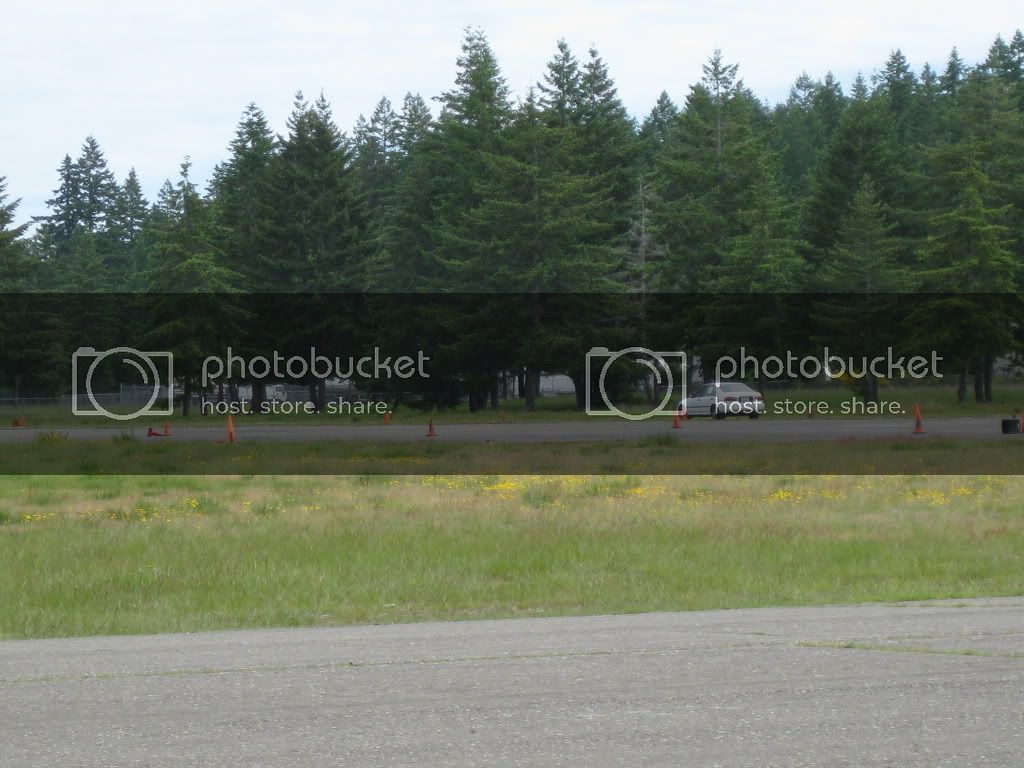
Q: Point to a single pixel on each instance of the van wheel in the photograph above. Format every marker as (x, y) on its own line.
(720, 414)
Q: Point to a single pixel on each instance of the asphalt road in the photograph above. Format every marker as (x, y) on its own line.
(597, 429)
(919, 684)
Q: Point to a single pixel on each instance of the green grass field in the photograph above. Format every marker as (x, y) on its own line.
(934, 401)
(54, 453)
(111, 555)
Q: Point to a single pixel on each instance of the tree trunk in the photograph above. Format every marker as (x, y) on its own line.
(870, 389)
(186, 400)
(649, 389)
(580, 384)
(532, 388)
(259, 395)
(990, 370)
(321, 395)
(961, 389)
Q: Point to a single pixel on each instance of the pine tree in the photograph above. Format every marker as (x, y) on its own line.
(608, 142)
(656, 127)
(65, 215)
(377, 156)
(445, 178)
(761, 257)
(480, 102)
(320, 220)
(864, 258)
(244, 190)
(97, 188)
(953, 75)
(187, 256)
(15, 263)
(896, 82)
(413, 123)
(857, 149)
(967, 249)
(131, 210)
(188, 259)
(541, 224)
(561, 92)
(654, 135)
(715, 159)
(967, 252)
(129, 216)
(829, 103)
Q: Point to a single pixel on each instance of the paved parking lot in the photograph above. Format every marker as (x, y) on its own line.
(917, 684)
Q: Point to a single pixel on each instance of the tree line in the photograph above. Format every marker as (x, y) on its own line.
(902, 182)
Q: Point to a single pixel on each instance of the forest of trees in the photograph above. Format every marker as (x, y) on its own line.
(904, 181)
(897, 183)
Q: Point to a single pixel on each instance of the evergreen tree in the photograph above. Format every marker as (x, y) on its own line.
(864, 257)
(561, 92)
(97, 188)
(188, 259)
(130, 210)
(896, 82)
(187, 256)
(413, 123)
(761, 257)
(803, 127)
(377, 155)
(656, 127)
(244, 190)
(15, 262)
(57, 228)
(445, 180)
(608, 140)
(953, 75)
(130, 213)
(967, 252)
(541, 224)
(320, 220)
(967, 249)
(714, 164)
(856, 150)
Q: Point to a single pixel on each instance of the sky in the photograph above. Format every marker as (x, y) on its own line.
(154, 82)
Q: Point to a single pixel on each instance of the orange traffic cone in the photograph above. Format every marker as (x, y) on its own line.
(431, 432)
(167, 429)
(504, 417)
(918, 425)
(18, 423)
(677, 420)
(231, 429)
(387, 417)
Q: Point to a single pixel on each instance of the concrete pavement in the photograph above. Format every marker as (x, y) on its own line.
(917, 684)
(595, 429)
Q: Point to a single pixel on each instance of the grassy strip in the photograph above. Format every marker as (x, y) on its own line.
(112, 555)
(655, 455)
